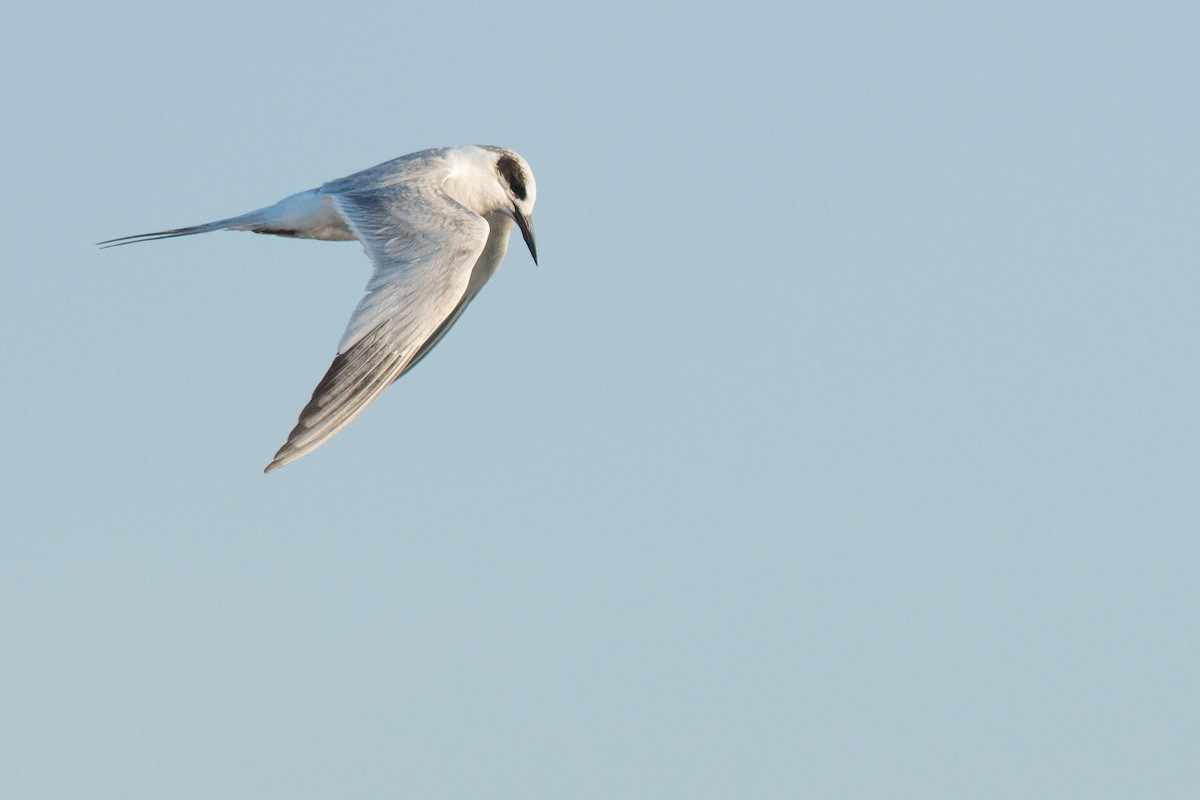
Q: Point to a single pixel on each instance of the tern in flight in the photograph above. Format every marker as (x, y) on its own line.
(435, 224)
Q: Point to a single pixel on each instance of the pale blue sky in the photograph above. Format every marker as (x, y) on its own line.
(844, 444)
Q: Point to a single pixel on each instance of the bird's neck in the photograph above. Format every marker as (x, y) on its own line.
(472, 180)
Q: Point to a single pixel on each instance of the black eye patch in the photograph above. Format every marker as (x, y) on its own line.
(511, 171)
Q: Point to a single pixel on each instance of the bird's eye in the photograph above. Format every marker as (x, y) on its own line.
(513, 175)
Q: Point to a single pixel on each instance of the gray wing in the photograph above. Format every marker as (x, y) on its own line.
(424, 246)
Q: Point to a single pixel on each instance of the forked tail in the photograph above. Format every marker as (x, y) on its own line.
(307, 215)
(246, 222)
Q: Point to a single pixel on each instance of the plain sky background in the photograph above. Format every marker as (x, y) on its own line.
(844, 445)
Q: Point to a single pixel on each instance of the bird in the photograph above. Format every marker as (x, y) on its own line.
(435, 225)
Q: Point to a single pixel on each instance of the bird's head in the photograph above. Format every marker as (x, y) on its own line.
(492, 180)
(516, 179)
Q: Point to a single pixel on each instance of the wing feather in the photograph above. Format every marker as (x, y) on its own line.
(424, 246)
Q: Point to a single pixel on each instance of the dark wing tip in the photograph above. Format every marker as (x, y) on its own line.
(353, 381)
